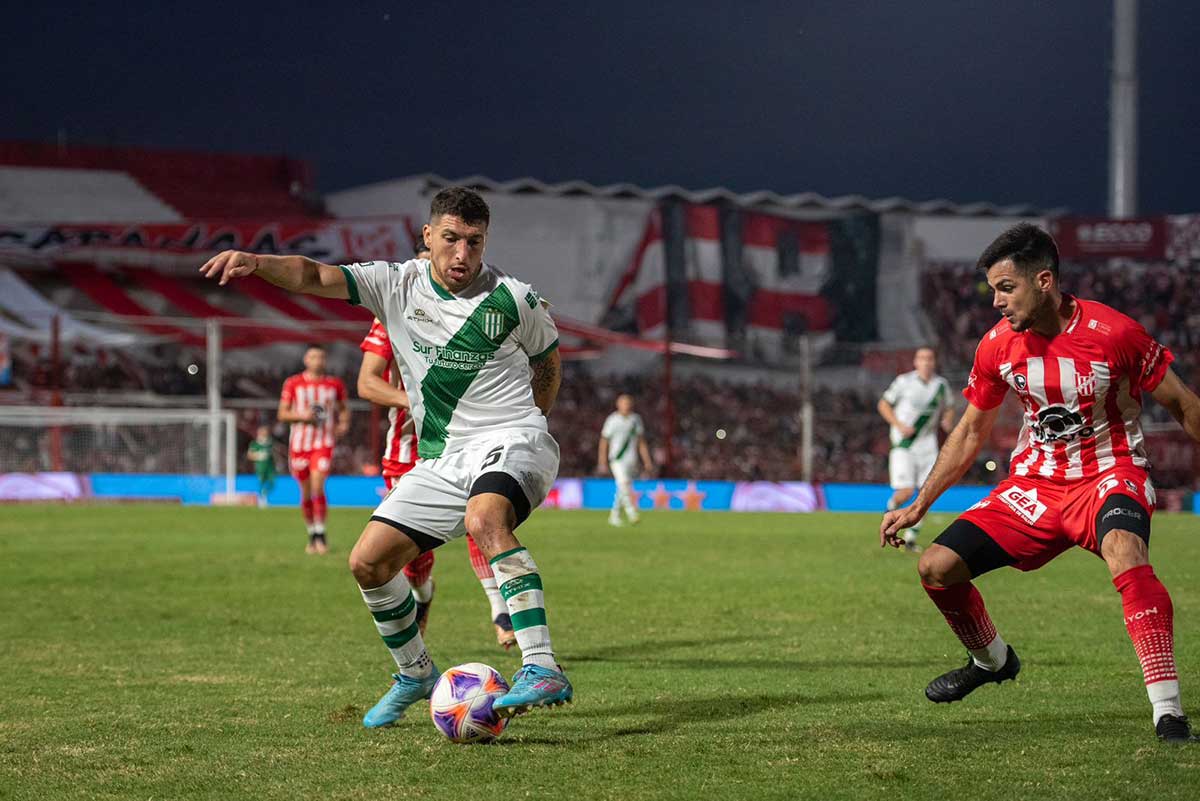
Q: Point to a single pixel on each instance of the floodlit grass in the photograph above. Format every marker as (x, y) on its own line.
(169, 653)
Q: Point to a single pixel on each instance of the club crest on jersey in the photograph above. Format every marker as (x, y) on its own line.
(493, 324)
(1085, 384)
(1024, 502)
(1057, 423)
(1020, 382)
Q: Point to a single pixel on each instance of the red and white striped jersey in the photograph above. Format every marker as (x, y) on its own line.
(400, 448)
(1082, 391)
(323, 394)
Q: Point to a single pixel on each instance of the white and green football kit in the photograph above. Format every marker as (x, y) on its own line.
(920, 404)
(623, 432)
(466, 363)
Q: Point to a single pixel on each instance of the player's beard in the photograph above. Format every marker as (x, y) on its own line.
(1043, 310)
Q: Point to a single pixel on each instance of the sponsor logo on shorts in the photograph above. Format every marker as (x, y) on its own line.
(1106, 486)
(1024, 502)
(1129, 485)
(1120, 510)
(979, 505)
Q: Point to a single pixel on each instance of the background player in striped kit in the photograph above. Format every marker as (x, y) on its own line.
(622, 443)
(913, 405)
(478, 353)
(315, 404)
(379, 382)
(1078, 475)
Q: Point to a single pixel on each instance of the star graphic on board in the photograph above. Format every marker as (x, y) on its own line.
(692, 498)
(636, 495)
(661, 497)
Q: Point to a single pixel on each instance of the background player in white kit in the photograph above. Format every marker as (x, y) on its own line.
(478, 355)
(913, 405)
(622, 443)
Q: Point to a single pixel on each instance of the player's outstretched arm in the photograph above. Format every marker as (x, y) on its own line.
(1178, 399)
(293, 273)
(547, 378)
(954, 459)
(372, 386)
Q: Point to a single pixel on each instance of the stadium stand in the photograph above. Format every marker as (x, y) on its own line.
(193, 185)
(48, 194)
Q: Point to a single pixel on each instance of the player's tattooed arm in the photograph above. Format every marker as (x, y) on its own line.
(293, 273)
(547, 377)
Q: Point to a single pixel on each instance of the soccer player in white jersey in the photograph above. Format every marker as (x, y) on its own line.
(914, 404)
(622, 442)
(478, 355)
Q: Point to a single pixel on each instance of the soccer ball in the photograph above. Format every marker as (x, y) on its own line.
(461, 704)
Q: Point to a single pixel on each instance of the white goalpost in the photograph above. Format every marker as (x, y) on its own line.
(81, 439)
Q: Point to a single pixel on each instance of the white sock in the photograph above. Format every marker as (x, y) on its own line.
(1164, 696)
(395, 613)
(424, 593)
(521, 586)
(492, 590)
(891, 505)
(992, 656)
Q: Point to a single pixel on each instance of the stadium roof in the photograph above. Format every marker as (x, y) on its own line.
(803, 201)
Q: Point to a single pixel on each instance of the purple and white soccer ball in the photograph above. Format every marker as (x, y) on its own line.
(461, 704)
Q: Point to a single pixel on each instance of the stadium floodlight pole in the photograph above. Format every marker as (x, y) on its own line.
(213, 375)
(1123, 112)
(230, 454)
(806, 410)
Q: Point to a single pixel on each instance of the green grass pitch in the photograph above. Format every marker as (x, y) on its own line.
(179, 653)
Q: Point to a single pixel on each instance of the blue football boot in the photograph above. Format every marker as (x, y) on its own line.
(399, 697)
(534, 685)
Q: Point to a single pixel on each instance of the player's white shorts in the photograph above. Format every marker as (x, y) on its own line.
(622, 472)
(908, 468)
(431, 499)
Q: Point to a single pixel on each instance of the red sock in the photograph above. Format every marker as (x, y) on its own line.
(1150, 621)
(962, 606)
(479, 562)
(417, 571)
(306, 509)
(318, 509)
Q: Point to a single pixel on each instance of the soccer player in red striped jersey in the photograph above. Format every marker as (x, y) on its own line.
(1078, 476)
(315, 404)
(379, 382)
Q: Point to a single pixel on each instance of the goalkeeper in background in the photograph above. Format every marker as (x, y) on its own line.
(262, 454)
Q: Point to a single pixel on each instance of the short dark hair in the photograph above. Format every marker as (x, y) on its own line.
(1030, 248)
(420, 248)
(466, 204)
(313, 346)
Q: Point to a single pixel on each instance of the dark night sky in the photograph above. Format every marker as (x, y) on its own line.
(1000, 101)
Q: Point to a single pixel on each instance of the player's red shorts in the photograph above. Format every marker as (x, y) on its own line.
(1034, 520)
(302, 463)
